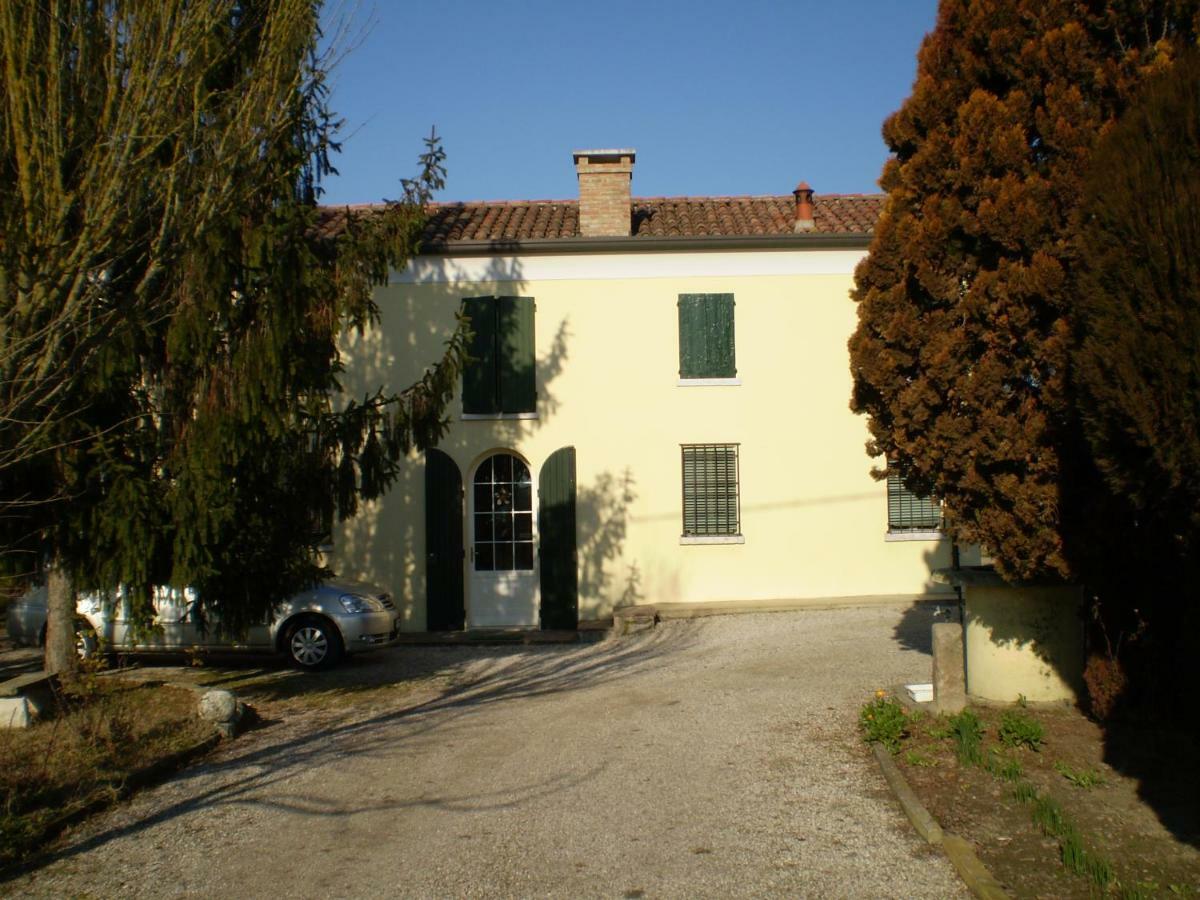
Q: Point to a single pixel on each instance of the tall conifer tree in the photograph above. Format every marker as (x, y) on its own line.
(961, 355)
(170, 304)
(1137, 356)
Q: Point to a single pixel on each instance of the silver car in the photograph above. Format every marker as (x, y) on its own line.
(314, 628)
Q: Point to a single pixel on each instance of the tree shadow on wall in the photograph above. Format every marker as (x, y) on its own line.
(418, 310)
(602, 519)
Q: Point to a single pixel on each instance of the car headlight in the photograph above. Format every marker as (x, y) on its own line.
(356, 603)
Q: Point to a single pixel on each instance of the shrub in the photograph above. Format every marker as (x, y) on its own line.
(884, 720)
(1017, 730)
(1106, 683)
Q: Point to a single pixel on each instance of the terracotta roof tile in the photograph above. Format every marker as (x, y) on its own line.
(653, 217)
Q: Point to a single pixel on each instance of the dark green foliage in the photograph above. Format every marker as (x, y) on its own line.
(1137, 364)
(1017, 730)
(184, 425)
(884, 720)
(961, 355)
(967, 732)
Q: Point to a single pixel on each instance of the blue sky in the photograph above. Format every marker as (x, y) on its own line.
(718, 98)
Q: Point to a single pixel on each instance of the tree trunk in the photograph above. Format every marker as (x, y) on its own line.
(61, 656)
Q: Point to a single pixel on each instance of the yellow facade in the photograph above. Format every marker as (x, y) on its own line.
(813, 521)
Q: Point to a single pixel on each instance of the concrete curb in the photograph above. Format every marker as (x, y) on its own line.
(628, 619)
(925, 824)
(971, 870)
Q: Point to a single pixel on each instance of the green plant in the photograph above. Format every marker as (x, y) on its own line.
(1079, 861)
(1048, 815)
(967, 731)
(1025, 792)
(1018, 730)
(916, 758)
(1081, 778)
(1076, 858)
(1141, 890)
(1004, 768)
(884, 720)
(942, 730)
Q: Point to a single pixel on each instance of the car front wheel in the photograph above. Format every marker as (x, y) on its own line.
(313, 643)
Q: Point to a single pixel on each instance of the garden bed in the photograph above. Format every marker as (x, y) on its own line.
(1048, 815)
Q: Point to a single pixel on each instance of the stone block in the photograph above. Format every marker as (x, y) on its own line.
(16, 712)
(949, 670)
(224, 710)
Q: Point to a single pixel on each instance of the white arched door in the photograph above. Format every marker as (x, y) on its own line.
(504, 588)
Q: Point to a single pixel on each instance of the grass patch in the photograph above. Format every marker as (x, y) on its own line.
(1081, 778)
(1048, 815)
(1004, 768)
(101, 733)
(967, 733)
(916, 758)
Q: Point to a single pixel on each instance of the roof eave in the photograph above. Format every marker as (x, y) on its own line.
(539, 246)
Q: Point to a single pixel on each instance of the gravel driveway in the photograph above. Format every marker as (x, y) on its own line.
(712, 757)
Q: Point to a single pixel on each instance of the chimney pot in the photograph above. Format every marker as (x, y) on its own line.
(804, 208)
(605, 204)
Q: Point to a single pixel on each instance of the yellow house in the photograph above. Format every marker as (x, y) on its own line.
(658, 412)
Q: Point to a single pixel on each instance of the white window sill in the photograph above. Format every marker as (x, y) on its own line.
(930, 535)
(708, 382)
(483, 417)
(712, 539)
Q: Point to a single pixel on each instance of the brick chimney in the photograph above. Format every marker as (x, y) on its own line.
(604, 180)
(804, 208)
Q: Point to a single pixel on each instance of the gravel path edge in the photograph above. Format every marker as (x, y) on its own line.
(962, 856)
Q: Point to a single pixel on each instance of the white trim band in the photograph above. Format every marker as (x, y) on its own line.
(900, 536)
(497, 417)
(708, 382)
(712, 539)
(605, 266)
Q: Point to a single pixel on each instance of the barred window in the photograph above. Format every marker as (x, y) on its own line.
(908, 511)
(710, 490)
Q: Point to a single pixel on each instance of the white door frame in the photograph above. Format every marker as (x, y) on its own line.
(504, 598)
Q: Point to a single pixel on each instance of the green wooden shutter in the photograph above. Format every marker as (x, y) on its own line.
(479, 377)
(558, 555)
(691, 336)
(706, 337)
(720, 335)
(518, 390)
(444, 609)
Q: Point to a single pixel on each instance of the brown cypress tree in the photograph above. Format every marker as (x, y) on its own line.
(961, 355)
